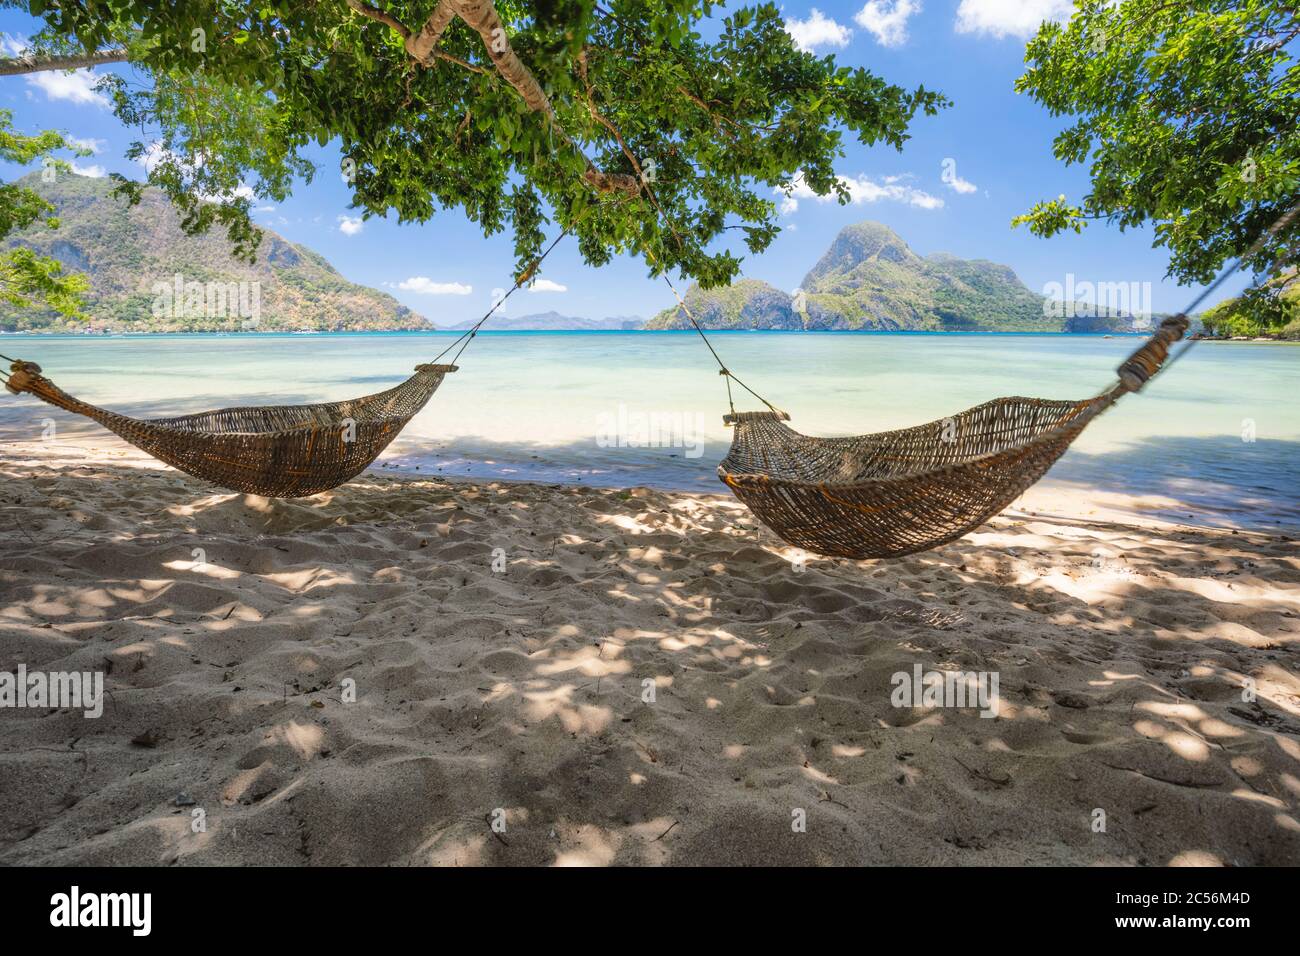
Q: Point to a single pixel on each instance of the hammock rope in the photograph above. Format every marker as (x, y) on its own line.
(468, 335)
(725, 372)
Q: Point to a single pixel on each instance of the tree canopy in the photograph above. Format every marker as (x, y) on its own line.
(642, 126)
(1188, 113)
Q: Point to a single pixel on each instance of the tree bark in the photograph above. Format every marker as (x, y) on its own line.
(481, 15)
(421, 44)
(39, 63)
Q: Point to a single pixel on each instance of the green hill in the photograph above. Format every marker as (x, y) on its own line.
(1272, 311)
(869, 279)
(745, 304)
(133, 255)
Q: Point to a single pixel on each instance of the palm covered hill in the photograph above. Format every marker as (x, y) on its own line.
(131, 254)
(870, 279)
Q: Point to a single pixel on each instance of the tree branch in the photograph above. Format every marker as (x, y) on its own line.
(374, 13)
(39, 63)
(422, 44)
(481, 17)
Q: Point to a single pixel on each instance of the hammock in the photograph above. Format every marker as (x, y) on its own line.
(278, 451)
(899, 492)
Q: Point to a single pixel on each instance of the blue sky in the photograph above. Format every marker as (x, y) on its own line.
(995, 145)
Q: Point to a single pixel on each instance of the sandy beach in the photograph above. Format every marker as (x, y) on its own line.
(643, 677)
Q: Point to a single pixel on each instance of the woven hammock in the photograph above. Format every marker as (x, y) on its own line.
(278, 451)
(899, 492)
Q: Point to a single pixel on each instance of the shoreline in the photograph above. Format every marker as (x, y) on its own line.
(1065, 496)
(1262, 340)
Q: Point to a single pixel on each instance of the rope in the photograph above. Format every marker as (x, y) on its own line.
(1236, 267)
(722, 368)
(465, 337)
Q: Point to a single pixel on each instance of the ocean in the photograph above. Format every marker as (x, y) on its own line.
(1219, 436)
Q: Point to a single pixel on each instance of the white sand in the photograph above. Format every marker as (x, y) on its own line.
(1121, 649)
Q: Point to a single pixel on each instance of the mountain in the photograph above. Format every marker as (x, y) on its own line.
(870, 279)
(555, 322)
(146, 275)
(745, 304)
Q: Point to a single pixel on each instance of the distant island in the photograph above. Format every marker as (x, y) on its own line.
(554, 322)
(146, 275)
(870, 280)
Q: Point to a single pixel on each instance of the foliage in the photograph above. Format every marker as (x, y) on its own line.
(1188, 115)
(705, 128)
(1270, 309)
(28, 279)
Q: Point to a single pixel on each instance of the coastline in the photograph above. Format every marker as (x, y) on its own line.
(278, 333)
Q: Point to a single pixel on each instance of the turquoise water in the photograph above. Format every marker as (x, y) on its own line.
(552, 406)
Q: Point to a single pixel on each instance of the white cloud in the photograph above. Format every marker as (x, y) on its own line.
(546, 285)
(426, 286)
(76, 87)
(887, 19)
(242, 191)
(817, 30)
(95, 146)
(350, 225)
(94, 171)
(12, 46)
(1010, 18)
(959, 185)
(862, 189)
(154, 154)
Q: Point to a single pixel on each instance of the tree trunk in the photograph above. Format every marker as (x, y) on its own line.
(482, 18)
(481, 15)
(33, 63)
